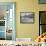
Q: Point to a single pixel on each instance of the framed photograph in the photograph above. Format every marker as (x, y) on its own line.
(27, 17)
(42, 1)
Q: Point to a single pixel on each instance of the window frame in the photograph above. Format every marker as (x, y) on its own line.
(39, 23)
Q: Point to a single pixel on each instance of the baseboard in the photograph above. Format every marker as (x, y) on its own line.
(24, 39)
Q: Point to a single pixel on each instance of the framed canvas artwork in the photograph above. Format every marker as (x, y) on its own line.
(27, 17)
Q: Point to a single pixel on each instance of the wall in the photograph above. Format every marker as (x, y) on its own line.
(24, 30)
(27, 30)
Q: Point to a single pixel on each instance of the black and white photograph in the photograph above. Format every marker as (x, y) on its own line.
(27, 17)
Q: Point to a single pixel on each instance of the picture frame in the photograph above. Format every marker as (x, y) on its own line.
(42, 1)
(27, 17)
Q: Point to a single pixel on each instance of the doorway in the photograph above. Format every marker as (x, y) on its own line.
(7, 21)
